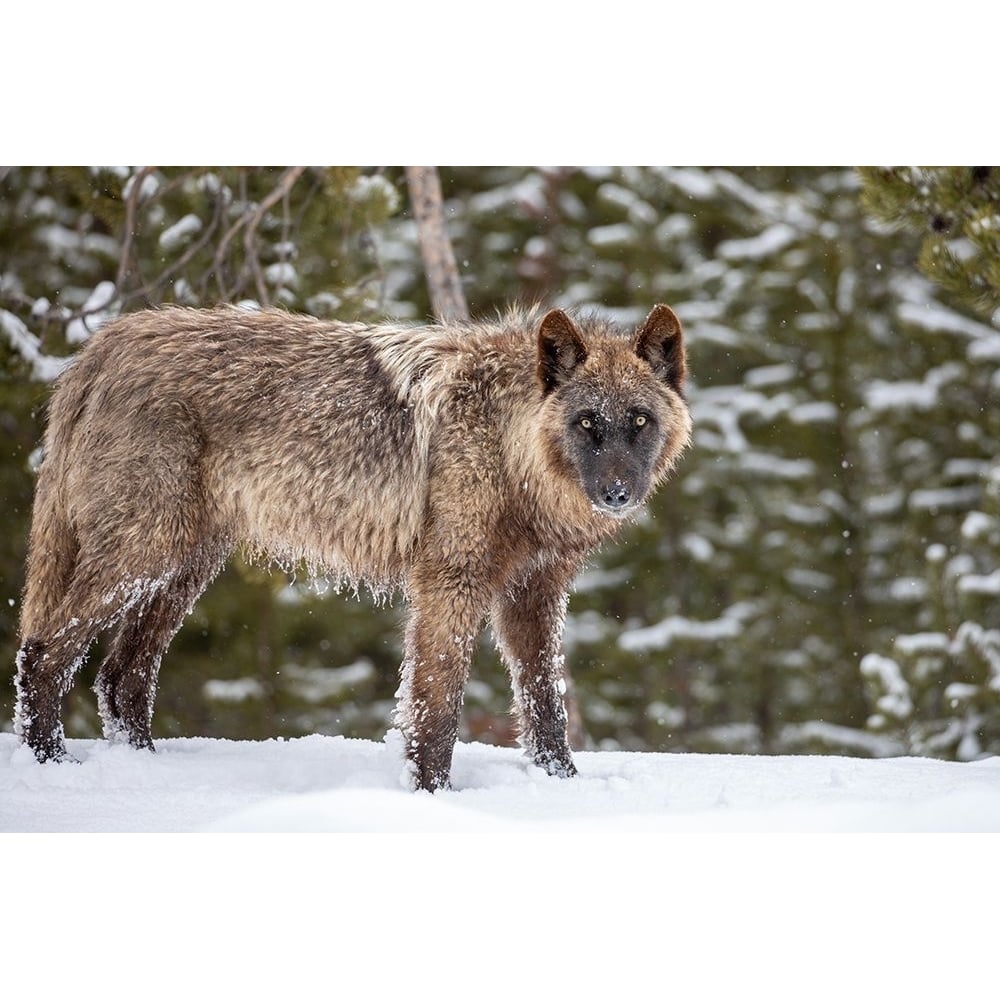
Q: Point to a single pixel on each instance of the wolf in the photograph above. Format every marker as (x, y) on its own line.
(474, 467)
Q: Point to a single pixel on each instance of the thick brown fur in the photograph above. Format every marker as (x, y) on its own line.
(473, 466)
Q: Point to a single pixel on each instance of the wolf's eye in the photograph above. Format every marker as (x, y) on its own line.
(586, 423)
(640, 421)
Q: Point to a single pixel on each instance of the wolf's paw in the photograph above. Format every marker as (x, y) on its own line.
(557, 766)
(54, 755)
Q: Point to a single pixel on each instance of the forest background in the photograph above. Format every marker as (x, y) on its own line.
(822, 574)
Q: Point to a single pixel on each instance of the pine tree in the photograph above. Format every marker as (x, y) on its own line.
(956, 213)
(937, 692)
(936, 686)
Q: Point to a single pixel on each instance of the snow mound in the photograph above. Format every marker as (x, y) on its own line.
(323, 783)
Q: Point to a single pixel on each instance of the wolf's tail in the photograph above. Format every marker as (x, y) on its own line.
(53, 543)
(52, 553)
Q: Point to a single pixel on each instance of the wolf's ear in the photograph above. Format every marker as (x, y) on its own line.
(660, 342)
(560, 349)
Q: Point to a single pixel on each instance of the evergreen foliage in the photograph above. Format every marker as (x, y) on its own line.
(956, 212)
(822, 574)
(936, 686)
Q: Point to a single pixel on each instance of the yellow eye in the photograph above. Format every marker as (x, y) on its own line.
(640, 420)
(586, 423)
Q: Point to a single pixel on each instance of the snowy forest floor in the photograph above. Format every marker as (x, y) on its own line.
(321, 783)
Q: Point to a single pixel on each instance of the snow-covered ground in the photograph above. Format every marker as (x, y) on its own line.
(322, 783)
(622, 882)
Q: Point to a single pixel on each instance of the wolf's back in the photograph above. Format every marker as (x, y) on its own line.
(298, 438)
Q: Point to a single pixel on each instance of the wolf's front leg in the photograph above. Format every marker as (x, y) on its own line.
(445, 616)
(528, 623)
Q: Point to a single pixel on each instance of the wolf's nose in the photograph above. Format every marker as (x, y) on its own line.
(616, 494)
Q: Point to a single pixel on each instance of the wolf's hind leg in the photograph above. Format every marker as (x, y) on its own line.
(126, 682)
(49, 659)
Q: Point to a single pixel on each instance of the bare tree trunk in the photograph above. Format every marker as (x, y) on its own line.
(447, 298)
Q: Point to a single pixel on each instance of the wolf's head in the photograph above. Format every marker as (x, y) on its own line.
(616, 419)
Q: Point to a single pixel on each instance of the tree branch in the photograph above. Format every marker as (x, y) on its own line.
(131, 205)
(281, 189)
